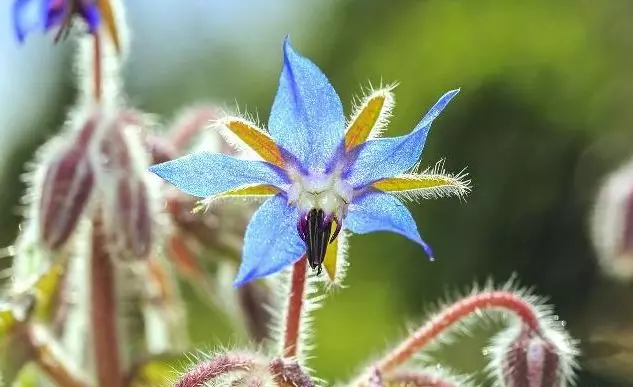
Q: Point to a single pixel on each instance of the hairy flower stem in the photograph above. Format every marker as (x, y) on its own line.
(208, 370)
(446, 318)
(49, 361)
(103, 312)
(295, 308)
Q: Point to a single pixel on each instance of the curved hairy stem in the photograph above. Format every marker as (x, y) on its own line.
(432, 329)
(208, 370)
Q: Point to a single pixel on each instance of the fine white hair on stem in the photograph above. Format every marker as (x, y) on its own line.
(111, 61)
(513, 306)
(483, 318)
(312, 300)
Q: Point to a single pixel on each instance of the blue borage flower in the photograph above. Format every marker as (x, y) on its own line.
(322, 176)
(44, 15)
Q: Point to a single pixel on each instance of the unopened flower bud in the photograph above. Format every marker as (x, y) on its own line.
(612, 224)
(288, 373)
(134, 217)
(125, 203)
(530, 358)
(65, 192)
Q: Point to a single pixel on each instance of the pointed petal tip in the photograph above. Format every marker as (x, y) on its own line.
(239, 282)
(428, 250)
(288, 50)
(155, 169)
(20, 37)
(24, 20)
(306, 101)
(450, 94)
(242, 277)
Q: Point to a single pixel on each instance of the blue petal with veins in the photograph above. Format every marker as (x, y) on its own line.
(318, 175)
(385, 157)
(205, 174)
(307, 115)
(377, 211)
(271, 241)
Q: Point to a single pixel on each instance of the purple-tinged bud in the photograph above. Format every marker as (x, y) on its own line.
(612, 224)
(125, 203)
(288, 373)
(529, 358)
(375, 378)
(134, 217)
(531, 361)
(66, 190)
(115, 155)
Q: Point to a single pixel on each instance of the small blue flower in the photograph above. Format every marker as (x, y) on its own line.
(43, 15)
(323, 176)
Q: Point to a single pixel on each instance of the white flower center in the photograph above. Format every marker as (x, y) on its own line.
(328, 192)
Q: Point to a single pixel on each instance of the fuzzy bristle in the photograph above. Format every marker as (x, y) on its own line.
(456, 185)
(370, 92)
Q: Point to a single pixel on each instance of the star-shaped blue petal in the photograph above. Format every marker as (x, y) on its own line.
(307, 115)
(271, 233)
(385, 157)
(321, 176)
(205, 174)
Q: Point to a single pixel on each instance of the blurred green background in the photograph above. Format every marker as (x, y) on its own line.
(544, 113)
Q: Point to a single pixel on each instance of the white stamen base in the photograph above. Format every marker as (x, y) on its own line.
(327, 192)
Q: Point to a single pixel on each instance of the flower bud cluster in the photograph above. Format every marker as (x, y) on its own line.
(97, 169)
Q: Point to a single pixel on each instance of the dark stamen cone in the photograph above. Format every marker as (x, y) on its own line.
(317, 237)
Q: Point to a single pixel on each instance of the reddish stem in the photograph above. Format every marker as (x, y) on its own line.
(103, 314)
(211, 369)
(97, 67)
(295, 308)
(454, 313)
